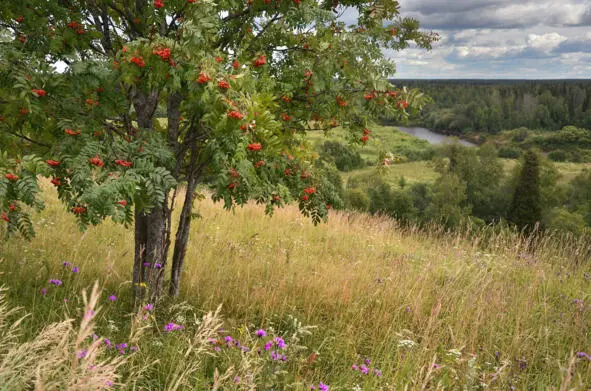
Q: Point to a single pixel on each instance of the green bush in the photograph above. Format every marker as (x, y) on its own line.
(357, 199)
(558, 156)
(343, 157)
(509, 152)
(519, 135)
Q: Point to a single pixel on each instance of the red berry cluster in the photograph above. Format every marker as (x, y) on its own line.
(260, 61)
(254, 147)
(139, 61)
(164, 53)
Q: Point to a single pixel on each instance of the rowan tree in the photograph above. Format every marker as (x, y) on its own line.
(128, 104)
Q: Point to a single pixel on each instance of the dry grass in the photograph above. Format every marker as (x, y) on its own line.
(491, 309)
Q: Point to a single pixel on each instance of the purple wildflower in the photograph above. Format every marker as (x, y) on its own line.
(237, 379)
(228, 339)
(284, 358)
(172, 327)
(377, 372)
(66, 264)
(43, 291)
(280, 342)
(112, 298)
(157, 265)
(75, 269)
(268, 346)
(367, 361)
(354, 367)
(55, 282)
(147, 264)
(436, 366)
(364, 369)
(322, 387)
(583, 355)
(217, 348)
(261, 333)
(107, 342)
(312, 387)
(148, 307)
(82, 353)
(134, 348)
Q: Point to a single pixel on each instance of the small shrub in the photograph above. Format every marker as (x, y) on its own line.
(343, 157)
(357, 199)
(510, 153)
(558, 156)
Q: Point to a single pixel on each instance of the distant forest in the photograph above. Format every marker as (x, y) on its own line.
(490, 106)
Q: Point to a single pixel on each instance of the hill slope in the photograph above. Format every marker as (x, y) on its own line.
(426, 310)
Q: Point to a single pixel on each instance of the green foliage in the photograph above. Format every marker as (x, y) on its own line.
(357, 199)
(343, 157)
(448, 201)
(481, 172)
(489, 106)
(510, 152)
(560, 219)
(557, 156)
(526, 206)
(154, 96)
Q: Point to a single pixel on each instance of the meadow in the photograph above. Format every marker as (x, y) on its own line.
(421, 170)
(274, 303)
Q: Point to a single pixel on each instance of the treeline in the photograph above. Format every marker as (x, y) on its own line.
(473, 187)
(487, 106)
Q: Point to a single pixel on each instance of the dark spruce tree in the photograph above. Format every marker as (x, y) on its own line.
(526, 209)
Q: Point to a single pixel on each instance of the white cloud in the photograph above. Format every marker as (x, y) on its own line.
(545, 42)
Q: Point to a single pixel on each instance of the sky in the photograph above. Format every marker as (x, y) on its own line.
(500, 39)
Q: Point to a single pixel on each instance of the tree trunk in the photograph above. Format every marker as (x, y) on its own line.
(182, 234)
(181, 240)
(152, 228)
(151, 251)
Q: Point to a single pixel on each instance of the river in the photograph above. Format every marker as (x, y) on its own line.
(430, 136)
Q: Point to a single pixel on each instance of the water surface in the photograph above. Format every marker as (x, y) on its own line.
(430, 136)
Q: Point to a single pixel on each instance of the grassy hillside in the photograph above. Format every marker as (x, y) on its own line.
(427, 311)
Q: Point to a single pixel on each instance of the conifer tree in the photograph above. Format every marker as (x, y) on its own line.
(526, 209)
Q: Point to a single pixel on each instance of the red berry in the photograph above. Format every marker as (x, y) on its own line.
(96, 161)
(123, 163)
(260, 61)
(203, 78)
(254, 147)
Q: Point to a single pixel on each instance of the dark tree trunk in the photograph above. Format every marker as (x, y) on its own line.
(151, 250)
(182, 234)
(152, 228)
(181, 240)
